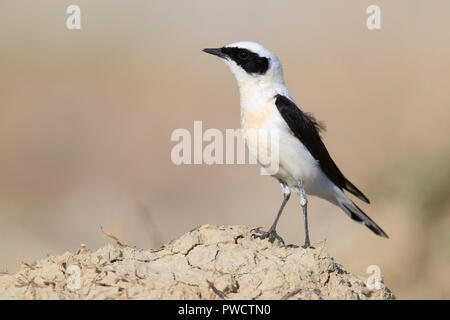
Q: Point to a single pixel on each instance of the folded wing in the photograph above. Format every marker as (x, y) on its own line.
(305, 127)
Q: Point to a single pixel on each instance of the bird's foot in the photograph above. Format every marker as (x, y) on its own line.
(307, 245)
(272, 235)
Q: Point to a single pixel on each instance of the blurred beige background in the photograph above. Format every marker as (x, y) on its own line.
(86, 118)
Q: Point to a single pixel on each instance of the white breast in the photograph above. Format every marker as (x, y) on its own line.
(295, 161)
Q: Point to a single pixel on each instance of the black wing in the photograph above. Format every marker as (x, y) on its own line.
(305, 127)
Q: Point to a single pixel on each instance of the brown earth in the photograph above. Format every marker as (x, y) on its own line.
(209, 262)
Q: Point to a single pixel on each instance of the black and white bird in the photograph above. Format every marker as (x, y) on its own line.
(305, 166)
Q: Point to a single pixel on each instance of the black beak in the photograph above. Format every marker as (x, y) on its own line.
(217, 52)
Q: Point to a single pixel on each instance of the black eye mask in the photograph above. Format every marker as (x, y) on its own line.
(251, 62)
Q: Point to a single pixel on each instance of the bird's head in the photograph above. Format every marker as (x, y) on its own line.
(250, 62)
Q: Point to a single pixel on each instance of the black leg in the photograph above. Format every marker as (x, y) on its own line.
(274, 224)
(304, 204)
(305, 215)
(272, 233)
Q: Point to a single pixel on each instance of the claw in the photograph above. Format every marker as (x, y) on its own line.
(272, 235)
(307, 245)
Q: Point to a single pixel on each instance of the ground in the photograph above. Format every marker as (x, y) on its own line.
(209, 262)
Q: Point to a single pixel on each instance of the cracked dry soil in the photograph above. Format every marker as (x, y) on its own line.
(209, 262)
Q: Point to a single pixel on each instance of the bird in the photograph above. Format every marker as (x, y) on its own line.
(305, 165)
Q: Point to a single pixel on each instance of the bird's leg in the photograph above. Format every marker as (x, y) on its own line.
(286, 196)
(272, 233)
(304, 205)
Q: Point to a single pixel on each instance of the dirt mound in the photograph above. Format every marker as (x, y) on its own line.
(209, 262)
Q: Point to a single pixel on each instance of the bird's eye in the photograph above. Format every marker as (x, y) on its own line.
(243, 54)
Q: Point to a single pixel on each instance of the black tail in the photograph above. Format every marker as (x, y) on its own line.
(350, 187)
(354, 212)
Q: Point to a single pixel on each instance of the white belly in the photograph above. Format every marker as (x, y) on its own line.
(295, 161)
